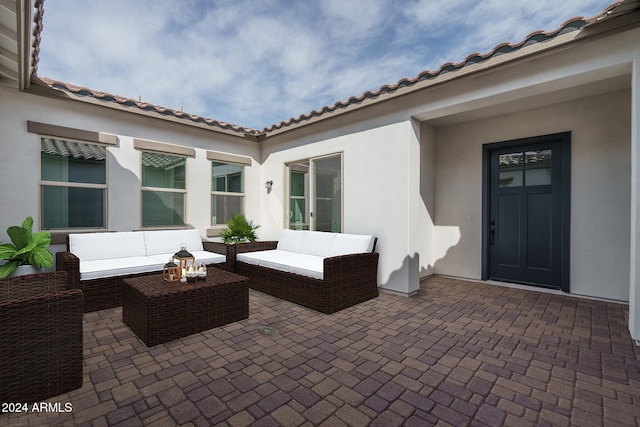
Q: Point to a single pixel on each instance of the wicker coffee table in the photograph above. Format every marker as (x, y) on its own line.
(159, 311)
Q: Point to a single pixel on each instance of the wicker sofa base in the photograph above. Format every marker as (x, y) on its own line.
(339, 290)
(100, 294)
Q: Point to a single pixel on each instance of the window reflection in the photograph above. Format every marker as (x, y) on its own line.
(510, 166)
(538, 167)
(525, 168)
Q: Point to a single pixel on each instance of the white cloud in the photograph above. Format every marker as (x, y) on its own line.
(258, 63)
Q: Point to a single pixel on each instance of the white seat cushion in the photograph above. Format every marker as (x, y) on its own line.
(267, 258)
(303, 264)
(291, 240)
(308, 265)
(96, 269)
(159, 242)
(345, 244)
(200, 256)
(97, 246)
(317, 243)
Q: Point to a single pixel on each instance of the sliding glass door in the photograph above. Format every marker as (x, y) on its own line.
(327, 194)
(315, 194)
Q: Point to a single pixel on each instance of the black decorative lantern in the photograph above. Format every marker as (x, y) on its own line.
(171, 272)
(184, 260)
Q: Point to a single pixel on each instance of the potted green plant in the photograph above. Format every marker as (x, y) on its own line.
(239, 230)
(27, 248)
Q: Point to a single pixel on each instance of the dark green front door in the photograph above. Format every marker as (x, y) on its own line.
(526, 216)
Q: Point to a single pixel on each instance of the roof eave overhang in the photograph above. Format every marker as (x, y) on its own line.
(493, 64)
(42, 88)
(610, 25)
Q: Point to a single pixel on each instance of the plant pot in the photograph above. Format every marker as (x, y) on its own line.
(23, 270)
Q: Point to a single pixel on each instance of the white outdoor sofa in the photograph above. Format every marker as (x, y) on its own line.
(97, 262)
(323, 271)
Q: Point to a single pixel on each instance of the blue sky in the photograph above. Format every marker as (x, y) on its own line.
(255, 63)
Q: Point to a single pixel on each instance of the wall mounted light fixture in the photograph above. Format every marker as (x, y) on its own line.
(268, 185)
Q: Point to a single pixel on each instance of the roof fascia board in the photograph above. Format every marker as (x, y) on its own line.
(41, 89)
(490, 65)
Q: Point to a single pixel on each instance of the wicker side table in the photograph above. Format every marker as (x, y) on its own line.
(158, 311)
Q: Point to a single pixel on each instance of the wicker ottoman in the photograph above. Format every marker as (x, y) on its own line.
(158, 311)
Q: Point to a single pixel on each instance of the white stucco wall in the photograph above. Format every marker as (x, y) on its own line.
(381, 175)
(600, 188)
(19, 159)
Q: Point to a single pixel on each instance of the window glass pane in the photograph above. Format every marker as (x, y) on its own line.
(162, 208)
(299, 196)
(511, 170)
(67, 161)
(235, 183)
(224, 207)
(297, 183)
(163, 171)
(538, 167)
(327, 210)
(227, 177)
(220, 183)
(68, 207)
(298, 220)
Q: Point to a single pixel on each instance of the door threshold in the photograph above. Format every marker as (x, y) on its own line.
(535, 289)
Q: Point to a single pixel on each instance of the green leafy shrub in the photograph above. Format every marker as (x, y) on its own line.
(26, 248)
(239, 230)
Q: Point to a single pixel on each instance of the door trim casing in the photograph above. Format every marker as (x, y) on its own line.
(565, 223)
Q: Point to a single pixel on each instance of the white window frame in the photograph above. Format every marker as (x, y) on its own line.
(163, 190)
(311, 197)
(226, 193)
(45, 183)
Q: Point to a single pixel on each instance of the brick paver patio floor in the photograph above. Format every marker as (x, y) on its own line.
(459, 353)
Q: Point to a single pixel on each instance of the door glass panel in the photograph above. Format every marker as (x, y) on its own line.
(299, 196)
(328, 194)
(511, 170)
(298, 209)
(538, 167)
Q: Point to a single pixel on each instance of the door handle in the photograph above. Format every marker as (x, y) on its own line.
(492, 233)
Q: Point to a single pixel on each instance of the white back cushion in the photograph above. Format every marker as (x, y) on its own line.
(169, 241)
(345, 244)
(317, 243)
(95, 246)
(291, 240)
